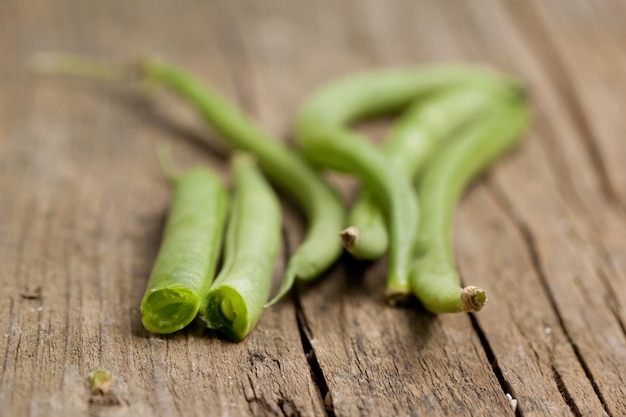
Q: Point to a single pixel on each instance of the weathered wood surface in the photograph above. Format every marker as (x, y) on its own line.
(82, 202)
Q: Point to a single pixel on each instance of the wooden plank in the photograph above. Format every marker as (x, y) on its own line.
(592, 61)
(84, 201)
(86, 204)
(557, 217)
(524, 373)
(597, 96)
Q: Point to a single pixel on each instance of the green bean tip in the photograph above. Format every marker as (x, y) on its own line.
(100, 381)
(398, 297)
(473, 299)
(167, 310)
(227, 312)
(349, 237)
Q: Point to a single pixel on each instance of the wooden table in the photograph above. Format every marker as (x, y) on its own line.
(83, 201)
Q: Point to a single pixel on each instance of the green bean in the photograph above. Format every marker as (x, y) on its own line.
(236, 299)
(420, 131)
(185, 264)
(344, 151)
(323, 208)
(374, 93)
(434, 278)
(324, 137)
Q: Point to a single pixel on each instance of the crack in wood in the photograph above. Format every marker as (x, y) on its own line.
(317, 373)
(618, 318)
(288, 407)
(256, 401)
(31, 293)
(259, 404)
(99, 404)
(565, 393)
(507, 207)
(10, 332)
(612, 300)
(493, 361)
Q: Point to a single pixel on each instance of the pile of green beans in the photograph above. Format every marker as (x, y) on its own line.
(440, 99)
(453, 122)
(418, 134)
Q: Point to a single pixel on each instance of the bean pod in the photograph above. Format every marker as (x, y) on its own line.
(236, 299)
(185, 265)
(434, 277)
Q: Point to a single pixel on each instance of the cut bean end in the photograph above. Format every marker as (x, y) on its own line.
(227, 313)
(167, 310)
(473, 299)
(397, 297)
(349, 237)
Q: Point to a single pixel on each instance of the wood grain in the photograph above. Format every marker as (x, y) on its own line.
(83, 203)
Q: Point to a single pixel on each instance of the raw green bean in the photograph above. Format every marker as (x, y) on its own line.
(434, 278)
(374, 93)
(236, 299)
(323, 208)
(324, 137)
(420, 131)
(185, 264)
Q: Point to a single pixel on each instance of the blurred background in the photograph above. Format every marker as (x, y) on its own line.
(82, 202)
